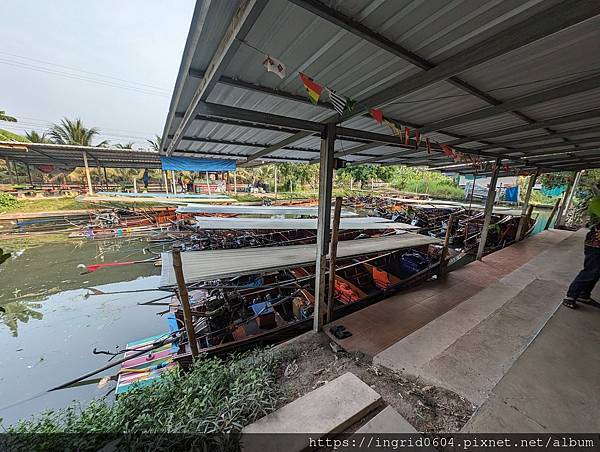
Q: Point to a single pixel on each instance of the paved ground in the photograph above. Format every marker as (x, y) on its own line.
(555, 385)
(385, 323)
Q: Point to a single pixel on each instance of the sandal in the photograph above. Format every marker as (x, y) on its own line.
(589, 301)
(569, 303)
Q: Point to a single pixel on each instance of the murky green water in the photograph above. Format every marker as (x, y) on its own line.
(50, 325)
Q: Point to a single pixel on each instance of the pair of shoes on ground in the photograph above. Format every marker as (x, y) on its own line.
(571, 303)
(340, 332)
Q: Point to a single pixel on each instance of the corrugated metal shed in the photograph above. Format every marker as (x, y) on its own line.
(478, 75)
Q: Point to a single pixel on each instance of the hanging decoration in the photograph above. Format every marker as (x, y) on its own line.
(275, 66)
(417, 139)
(339, 103)
(406, 136)
(312, 88)
(394, 126)
(377, 114)
(428, 144)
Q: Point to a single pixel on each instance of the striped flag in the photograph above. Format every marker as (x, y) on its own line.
(339, 103)
(406, 135)
(417, 138)
(313, 89)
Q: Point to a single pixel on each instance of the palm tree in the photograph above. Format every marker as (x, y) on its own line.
(156, 143)
(5, 117)
(125, 146)
(35, 137)
(74, 132)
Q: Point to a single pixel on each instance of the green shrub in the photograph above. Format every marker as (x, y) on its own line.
(8, 202)
(217, 397)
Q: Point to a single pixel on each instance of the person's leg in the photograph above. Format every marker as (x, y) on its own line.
(584, 282)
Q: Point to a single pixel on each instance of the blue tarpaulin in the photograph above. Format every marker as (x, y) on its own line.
(196, 164)
(556, 191)
(511, 194)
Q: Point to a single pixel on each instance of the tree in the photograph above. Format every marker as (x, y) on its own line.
(74, 132)
(156, 143)
(5, 117)
(35, 137)
(125, 146)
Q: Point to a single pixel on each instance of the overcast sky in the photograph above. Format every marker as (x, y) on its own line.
(128, 52)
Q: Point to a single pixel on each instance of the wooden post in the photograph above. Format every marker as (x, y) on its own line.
(235, 181)
(527, 221)
(29, 174)
(443, 263)
(134, 185)
(165, 181)
(323, 221)
(276, 181)
(173, 182)
(560, 219)
(105, 178)
(335, 230)
(208, 183)
(185, 302)
(489, 208)
(554, 209)
(88, 176)
(532, 181)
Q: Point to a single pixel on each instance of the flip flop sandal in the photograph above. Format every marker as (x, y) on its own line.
(569, 303)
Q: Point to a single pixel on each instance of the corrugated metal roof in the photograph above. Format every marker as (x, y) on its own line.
(304, 35)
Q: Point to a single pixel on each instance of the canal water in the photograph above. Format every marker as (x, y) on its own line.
(51, 324)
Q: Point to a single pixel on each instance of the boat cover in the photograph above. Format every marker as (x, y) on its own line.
(215, 264)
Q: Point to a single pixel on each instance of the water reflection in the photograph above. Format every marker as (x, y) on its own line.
(31, 275)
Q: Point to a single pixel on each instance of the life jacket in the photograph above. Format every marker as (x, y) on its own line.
(345, 293)
(381, 278)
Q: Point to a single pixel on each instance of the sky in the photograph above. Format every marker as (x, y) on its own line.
(112, 63)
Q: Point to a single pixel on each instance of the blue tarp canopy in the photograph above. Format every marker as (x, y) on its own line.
(196, 164)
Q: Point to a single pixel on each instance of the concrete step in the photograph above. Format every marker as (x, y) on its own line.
(470, 348)
(329, 409)
(387, 421)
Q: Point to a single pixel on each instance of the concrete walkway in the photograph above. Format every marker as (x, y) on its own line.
(555, 385)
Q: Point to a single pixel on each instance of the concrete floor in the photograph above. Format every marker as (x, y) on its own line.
(554, 386)
(495, 333)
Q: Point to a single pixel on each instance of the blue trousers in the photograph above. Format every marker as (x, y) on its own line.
(584, 282)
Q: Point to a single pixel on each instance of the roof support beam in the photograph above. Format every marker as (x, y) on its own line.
(590, 114)
(240, 143)
(240, 25)
(555, 136)
(364, 32)
(547, 22)
(567, 89)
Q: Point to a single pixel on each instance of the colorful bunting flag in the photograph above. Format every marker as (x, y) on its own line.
(417, 138)
(428, 144)
(395, 127)
(448, 151)
(377, 114)
(274, 65)
(406, 135)
(339, 103)
(313, 89)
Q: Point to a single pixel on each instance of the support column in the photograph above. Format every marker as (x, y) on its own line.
(323, 223)
(489, 207)
(87, 174)
(173, 182)
(532, 181)
(29, 175)
(235, 181)
(165, 181)
(105, 178)
(566, 205)
(208, 184)
(276, 181)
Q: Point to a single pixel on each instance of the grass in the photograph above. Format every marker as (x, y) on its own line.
(44, 205)
(217, 398)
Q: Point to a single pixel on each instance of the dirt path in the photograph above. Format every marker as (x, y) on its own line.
(427, 408)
